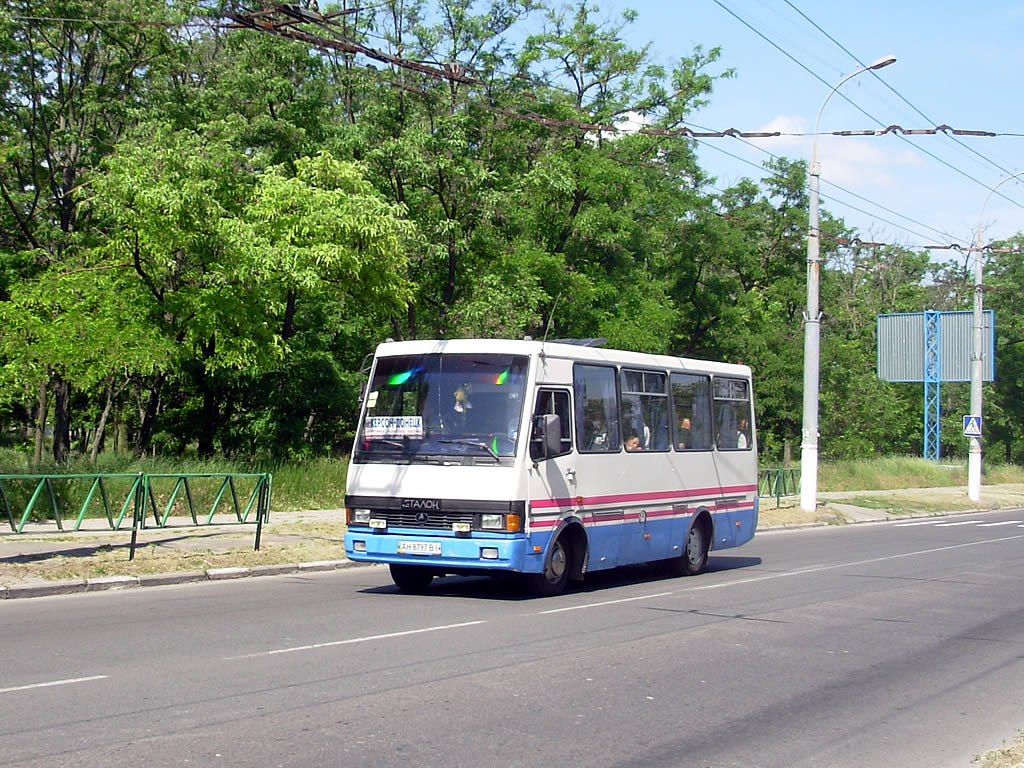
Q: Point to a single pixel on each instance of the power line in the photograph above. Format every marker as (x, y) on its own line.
(848, 205)
(856, 106)
(262, 21)
(887, 85)
(450, 71)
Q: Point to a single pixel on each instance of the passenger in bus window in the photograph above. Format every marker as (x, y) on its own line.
(458, 416)
(684, 438)
(595, 430)
(633, 442)
(741, 435)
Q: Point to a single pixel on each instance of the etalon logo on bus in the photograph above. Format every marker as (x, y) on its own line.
(431, 505)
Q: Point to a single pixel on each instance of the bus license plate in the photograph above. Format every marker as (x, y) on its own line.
(419, 547)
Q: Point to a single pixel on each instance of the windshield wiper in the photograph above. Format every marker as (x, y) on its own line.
(403, 445)
(474, 444)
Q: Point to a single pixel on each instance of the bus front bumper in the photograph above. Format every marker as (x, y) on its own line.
(440, 551)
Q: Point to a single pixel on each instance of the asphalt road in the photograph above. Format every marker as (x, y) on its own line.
(883, 644)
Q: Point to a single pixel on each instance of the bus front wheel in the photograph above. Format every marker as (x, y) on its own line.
(552, 580)
(411, 578)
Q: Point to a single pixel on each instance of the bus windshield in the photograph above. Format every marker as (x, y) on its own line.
(423, 407)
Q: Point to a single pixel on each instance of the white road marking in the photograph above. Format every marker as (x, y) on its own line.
(350, 641)
(69, 681)
(606, 602)
(856, 562)
(962, 522)
(993, 525)
(919, 522)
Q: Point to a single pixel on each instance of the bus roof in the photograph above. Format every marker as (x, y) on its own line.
(558, 349)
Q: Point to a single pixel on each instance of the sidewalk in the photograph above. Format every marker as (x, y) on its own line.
(45, 561)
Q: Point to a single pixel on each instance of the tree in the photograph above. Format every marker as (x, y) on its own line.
(218, 255)
(68, 92)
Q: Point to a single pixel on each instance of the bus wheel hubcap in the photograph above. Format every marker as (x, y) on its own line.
(557, 565)
(693, 546)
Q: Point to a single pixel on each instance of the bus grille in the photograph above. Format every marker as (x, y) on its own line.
(410, 519)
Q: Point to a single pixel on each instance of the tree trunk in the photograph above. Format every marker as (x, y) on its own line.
(211, 418)
(211, 403)
(61, 419)
(307, 432)
(288, 327)
(148, 414)
(40, 436)
(98, 438)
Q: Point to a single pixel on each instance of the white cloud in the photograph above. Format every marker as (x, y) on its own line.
(632, 122)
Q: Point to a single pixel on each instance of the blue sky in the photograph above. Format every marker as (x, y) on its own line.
(958, 63)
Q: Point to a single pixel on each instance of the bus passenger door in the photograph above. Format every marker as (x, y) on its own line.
(735, 461)
(555, 484)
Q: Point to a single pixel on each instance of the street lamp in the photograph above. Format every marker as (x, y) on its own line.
(977, 368)
(812, 321)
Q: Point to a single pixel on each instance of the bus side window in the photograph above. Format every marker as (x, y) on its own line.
(644, 409)
(597, 410)
(554, 401)
(691, 401)
(732, 414)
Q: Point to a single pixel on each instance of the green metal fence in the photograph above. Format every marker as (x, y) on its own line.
(192, 497)
(778, 482)
(31, 488)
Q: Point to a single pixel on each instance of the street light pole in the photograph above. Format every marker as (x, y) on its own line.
(977, 356)
(812, 320)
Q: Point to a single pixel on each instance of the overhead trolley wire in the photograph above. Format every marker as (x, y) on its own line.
(887, 85)
(458, 73)
(849, 205)
(856, 106)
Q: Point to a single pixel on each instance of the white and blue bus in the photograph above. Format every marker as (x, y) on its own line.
(548, 459)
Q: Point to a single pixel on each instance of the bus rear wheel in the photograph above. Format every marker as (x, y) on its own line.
(552, 580)
(694, 557)
(411, 578)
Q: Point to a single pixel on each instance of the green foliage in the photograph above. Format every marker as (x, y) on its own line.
(203, 233)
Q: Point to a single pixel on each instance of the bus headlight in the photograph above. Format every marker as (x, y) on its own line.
(492, 522)
(359, 516)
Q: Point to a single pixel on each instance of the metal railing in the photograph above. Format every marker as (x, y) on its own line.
(260, 497)
(778, 482)
(13, 485)
(141, 492)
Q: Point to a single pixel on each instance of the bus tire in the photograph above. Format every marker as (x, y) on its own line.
(411, 578)
(694, 557)
(552, 580)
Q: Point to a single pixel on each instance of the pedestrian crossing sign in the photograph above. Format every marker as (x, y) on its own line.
(972, 426)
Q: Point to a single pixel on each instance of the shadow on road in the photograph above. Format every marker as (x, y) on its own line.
(508, 586)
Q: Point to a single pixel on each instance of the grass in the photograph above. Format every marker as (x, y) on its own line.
(319, 483)
(1006, 756)
(316, 483)
(887, 473)
(168, 551)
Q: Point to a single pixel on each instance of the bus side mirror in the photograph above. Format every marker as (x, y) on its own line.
(549, 425)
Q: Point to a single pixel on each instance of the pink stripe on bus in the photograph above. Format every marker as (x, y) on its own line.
(633, 497)
(632, 517)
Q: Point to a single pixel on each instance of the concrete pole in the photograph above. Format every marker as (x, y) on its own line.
(977, 376)
(977, 368)
(812, 318)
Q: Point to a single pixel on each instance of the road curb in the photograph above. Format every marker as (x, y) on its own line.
(174, 577)
(109, 583)
(105, 583)
(46, 589)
